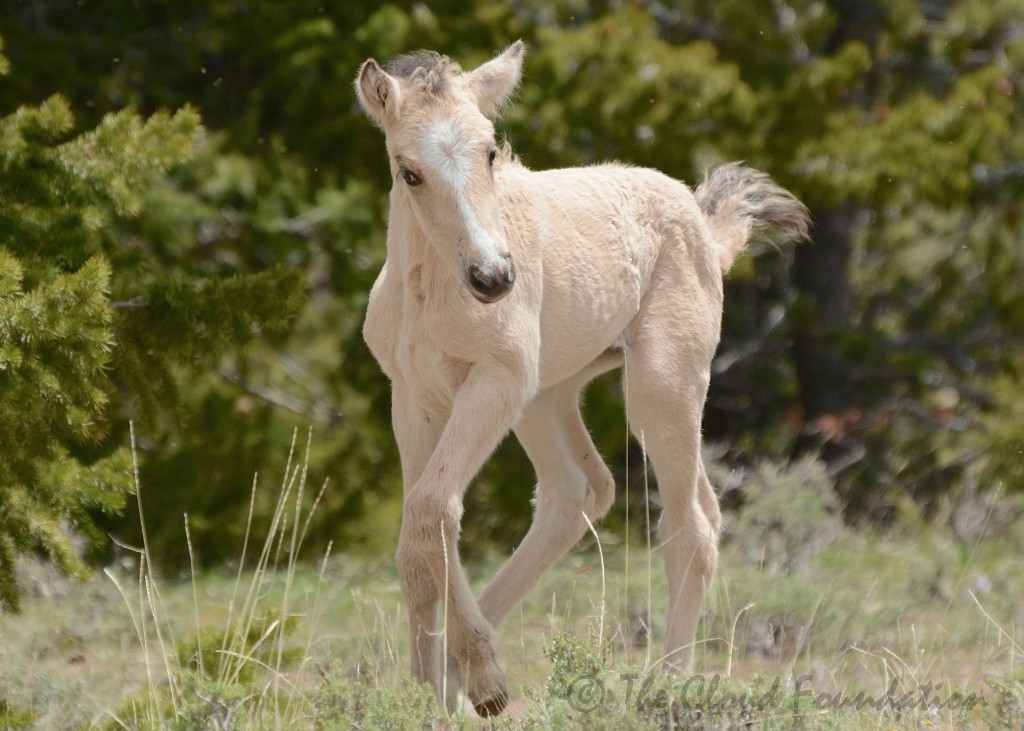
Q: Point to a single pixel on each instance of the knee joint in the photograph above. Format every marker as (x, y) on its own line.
(430, 522)
(602, 494)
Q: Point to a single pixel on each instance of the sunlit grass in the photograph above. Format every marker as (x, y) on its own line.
(287, 645)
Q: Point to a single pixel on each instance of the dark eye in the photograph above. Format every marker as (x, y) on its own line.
(411, 179)
(491, 156)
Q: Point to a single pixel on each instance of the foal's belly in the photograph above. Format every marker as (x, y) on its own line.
(566, 352)
(578, 324)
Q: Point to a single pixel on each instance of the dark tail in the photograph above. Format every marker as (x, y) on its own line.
(740, 202)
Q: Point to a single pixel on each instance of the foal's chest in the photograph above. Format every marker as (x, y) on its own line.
(422, 335)
(426, 360)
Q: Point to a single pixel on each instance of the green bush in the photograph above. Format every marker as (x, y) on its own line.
(1008, 709)
(788, 512)
(344, 701)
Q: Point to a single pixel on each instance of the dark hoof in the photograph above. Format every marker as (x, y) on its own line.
(492, 706)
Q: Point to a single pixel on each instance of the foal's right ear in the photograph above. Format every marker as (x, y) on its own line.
(378, 93)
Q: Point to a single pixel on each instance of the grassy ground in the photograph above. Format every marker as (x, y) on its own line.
(801, 607)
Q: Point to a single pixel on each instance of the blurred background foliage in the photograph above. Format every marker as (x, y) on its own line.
(239, 263)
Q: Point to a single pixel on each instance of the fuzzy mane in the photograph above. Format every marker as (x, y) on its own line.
(429, 69)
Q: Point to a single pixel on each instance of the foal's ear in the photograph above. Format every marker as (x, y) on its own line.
(378, 93)
(493, 83)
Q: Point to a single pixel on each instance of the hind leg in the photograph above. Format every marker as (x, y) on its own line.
(667, 379)
(572, 482)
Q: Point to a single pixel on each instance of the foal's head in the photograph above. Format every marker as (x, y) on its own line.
(440, 139)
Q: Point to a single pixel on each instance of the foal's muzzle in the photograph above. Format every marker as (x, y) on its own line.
(491, 283)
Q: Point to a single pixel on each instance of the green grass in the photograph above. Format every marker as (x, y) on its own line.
(326, 646)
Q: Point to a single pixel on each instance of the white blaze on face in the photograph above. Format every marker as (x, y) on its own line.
(449, 153)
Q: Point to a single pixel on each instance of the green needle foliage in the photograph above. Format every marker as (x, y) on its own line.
(90, 331)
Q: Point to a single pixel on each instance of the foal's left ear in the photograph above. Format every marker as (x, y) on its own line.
(493, 83)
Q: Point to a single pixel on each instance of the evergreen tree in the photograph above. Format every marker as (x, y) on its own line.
(90, 331)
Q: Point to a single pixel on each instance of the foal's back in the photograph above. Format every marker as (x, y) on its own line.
(600, 233)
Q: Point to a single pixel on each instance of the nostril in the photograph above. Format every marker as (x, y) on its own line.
(492, 283)
(480, 281)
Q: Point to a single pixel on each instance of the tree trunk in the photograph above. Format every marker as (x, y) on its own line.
(821, 276)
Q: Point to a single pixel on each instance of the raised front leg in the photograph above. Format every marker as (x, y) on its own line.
(485, 408)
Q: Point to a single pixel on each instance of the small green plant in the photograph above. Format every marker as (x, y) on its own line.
(14, 718)
(1008, 709)
(571, 657)
(584, 690)
(347, 700)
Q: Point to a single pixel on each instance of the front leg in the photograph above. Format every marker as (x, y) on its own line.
(416, 433)
(487, 405)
